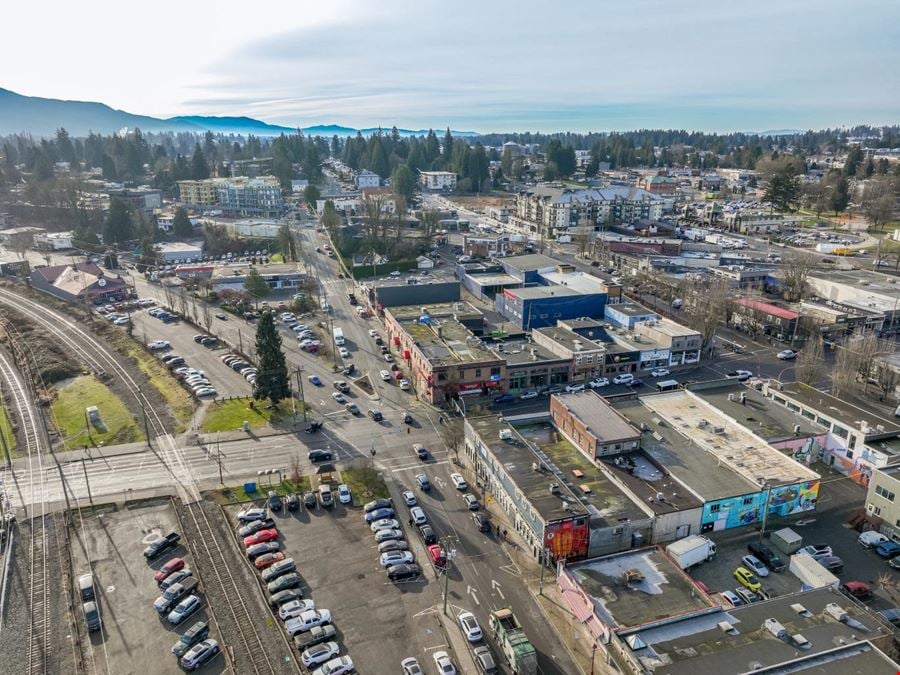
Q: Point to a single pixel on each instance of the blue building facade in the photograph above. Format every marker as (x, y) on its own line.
(543, 306)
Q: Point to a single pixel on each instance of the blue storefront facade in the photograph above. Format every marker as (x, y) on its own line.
(543, 306)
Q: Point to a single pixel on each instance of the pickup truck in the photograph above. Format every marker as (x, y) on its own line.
(314, 636)
(817, 551)
(173, 594)
(161, 545)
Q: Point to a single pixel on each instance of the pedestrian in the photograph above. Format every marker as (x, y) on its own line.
(498, 530)
(410, 521)
(504, 534)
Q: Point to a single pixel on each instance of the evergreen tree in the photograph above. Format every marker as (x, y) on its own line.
(448, 147)
(199, 166)
(255, 285)
(311, 195)
(119, 226)
(378, 161)
(181, 224)
(840, 196)
(288, 243)
(272, 381)
(403, 183)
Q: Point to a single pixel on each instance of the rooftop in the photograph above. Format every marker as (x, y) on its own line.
(726, 441)
(490, 279)
(517, 458)
(442, 310)
(630, 309)
(848, 414)
(532, 261)
(602, 498)
(522, 354)
(697, 645)
(651, 483)
(666, 590)
(569, 339)
(682, 458)
(441, 337)
(767, 308)
(577, 281)
(175, 246)
(601, 419)
(672, 328)
(537, 292)
(767, 419)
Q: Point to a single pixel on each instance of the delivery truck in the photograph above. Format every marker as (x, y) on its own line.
(513, 642)
(811, 573)
(691, 551)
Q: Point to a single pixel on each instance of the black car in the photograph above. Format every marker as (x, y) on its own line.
(349, 370)
(198, 338)
(313, 427)
(481, 522)
(428, 535)
(309, 500)
(375, 415)
(293, 501)
(161, 545)
(274, 501)
(768, 557)
(403, 572)
(319, 455)
(393, 545)
(256, 526)
(378, 504)
(210, 342)
(284, 596)
(196, 633)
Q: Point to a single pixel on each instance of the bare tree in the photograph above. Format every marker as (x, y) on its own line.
(794, 272)
(399, 215)
(428, 223)
(375, 222)
(170, 295)
(810, 363)
(843, 374)
(206, 314)
(888, 379)
(453, 434)
(583, 235)
(879, 199)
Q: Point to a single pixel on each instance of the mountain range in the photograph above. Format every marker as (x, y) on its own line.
(43, 116)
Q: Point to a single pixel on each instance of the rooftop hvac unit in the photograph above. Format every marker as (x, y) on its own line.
(796, 430)
(719, 430)
(506, 434)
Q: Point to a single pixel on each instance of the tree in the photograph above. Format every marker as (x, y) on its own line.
(330, 217)
(840, 195)
(878, 201)
(810, 363)
(783, 190)
(843, 373)
(272, 381)
(255, 285)
(119, 226)
(403, 182)
(288, 243)
(199, 166)
(311, 194)
(797, 266)
(181, 224)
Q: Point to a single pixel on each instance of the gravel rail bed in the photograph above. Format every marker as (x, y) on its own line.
(246, 643)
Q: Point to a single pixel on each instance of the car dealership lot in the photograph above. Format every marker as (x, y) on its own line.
(133, 634)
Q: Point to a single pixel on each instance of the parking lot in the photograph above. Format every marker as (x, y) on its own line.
(181, 334)
(826, 525)
(378, 623)
(111, 543)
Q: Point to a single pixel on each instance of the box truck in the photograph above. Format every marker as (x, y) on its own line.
(811, 573)
(691, 551)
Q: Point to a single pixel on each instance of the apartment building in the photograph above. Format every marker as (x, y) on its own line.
(437, 180)
(240, 196)
(881, 499)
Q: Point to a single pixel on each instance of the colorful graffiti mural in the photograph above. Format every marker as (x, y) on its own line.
(784, 500)
(567, 539)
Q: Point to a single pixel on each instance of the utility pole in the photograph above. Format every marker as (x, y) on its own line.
(146, 424)
(302, 397)
(87, 482)
(765, 518)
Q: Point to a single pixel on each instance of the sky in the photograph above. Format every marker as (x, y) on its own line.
(492, 65)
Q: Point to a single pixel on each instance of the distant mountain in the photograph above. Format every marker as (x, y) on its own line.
(777, 132)
(43, 116)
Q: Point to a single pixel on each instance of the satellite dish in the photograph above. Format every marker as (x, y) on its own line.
(101, 283)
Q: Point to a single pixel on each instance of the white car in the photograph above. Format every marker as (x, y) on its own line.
(199, 654)
(122, 321)
(385, 375)
(158, 344)
(444, 664)
(659, 372)
(389, 357)
(307, 620)
(385, 524)
(404, 385)
(755, 565)
(206, 391)
(373, 333)
(626, 378)
(339, 397)
(338, 666)
(598, 382)
(184, 609)
(459, 481)
(344, 496)
(418, 515)
(320, 653)
(529, 395)
(739, 375)
(249, 515)
(295, 608)
(409, 497)
(470, 626)
(787, 355)
(573, 388)
(343, 352)
(397, 558)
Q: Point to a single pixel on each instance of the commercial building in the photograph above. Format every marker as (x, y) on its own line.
(563, 506)
(587, 356)
(659, 185)
(592, 425)
(555, 209)
(541, 306)
(13, 266)
(627, 314)
(446, 360)
(764, 318)
(141, 198)
(53, 241)
(239, 196)
(682, 343)
(437, 180)
(81, 283)
(530, 367)
(384, 293)
(253, 229)
(863, 291)
(277, 278)
(882, 502)
(177, 251)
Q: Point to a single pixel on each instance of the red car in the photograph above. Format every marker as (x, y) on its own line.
(437, 555)
(173, 565)
(266, 559)
(260, 537)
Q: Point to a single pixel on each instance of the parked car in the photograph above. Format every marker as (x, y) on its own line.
(428, 535)
(443, 663)
(268, 559)
(319, 455)
(403, 572)
(424, 483)
(292, 501)
(256, 526)
(504, 398)
(459, 482)
(888, 549)
(319, 653)
(484, 660)
(389, 558)
(832, 563)
(470, 626)
(172, 565)
(769, 558)
(344, 496)
(295, 608)
(158, 344)
(91, 616)
(625, 378)
(420, 450)
(282, 583)
(184, 609)
(376, 504)
(481, 522)
(530, 394)
(393, 545)
(598, 382)
(251, 514)
(732, 598)
(384, 524)
(281, 597)
(175, 577)
(375, 415)
(411, 666)
(199, 631)
(418, 515)
(86, 587)
(747, 578)
(162, 545)
(871, 539)
(273, 501)
(409, 498)
(340, 665)
(659, 372)
(164, 603)
(388, 535)
(471, 502)
(307, 620)
(816, 551)
(755, 565)
(573, 388)
(857, 589)
(260, 536)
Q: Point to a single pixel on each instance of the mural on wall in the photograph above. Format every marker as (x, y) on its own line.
(567, 539)
(785, 500)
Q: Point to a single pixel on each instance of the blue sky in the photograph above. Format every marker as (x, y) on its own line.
(484, 66)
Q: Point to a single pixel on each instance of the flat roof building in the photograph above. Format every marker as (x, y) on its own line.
(592, 425)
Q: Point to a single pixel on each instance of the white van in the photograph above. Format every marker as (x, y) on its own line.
(871, 539)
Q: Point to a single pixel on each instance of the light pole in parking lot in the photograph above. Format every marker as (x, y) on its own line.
(302, 397)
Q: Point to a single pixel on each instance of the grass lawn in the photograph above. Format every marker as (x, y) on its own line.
(7, 433)
(68, 413)
(177, 398)
(235, 495)
(365, 484)
(230, 415)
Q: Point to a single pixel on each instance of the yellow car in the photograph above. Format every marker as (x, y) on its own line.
(747, 578)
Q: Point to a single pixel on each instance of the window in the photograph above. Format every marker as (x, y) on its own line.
(714, 508)
(876, 510)
(748, 501)
(478, 372)
(495, 370)
(886, 494)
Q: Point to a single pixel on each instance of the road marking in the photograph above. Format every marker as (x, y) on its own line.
(474, 596)
(512, 569)
(416, 466)
(496, 587)
(440, 482)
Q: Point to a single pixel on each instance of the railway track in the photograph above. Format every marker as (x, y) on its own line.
(38, 637)
(251, 650)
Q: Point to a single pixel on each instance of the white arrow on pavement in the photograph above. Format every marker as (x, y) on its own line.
(440, 482)
(472, 593)
(496, 586)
